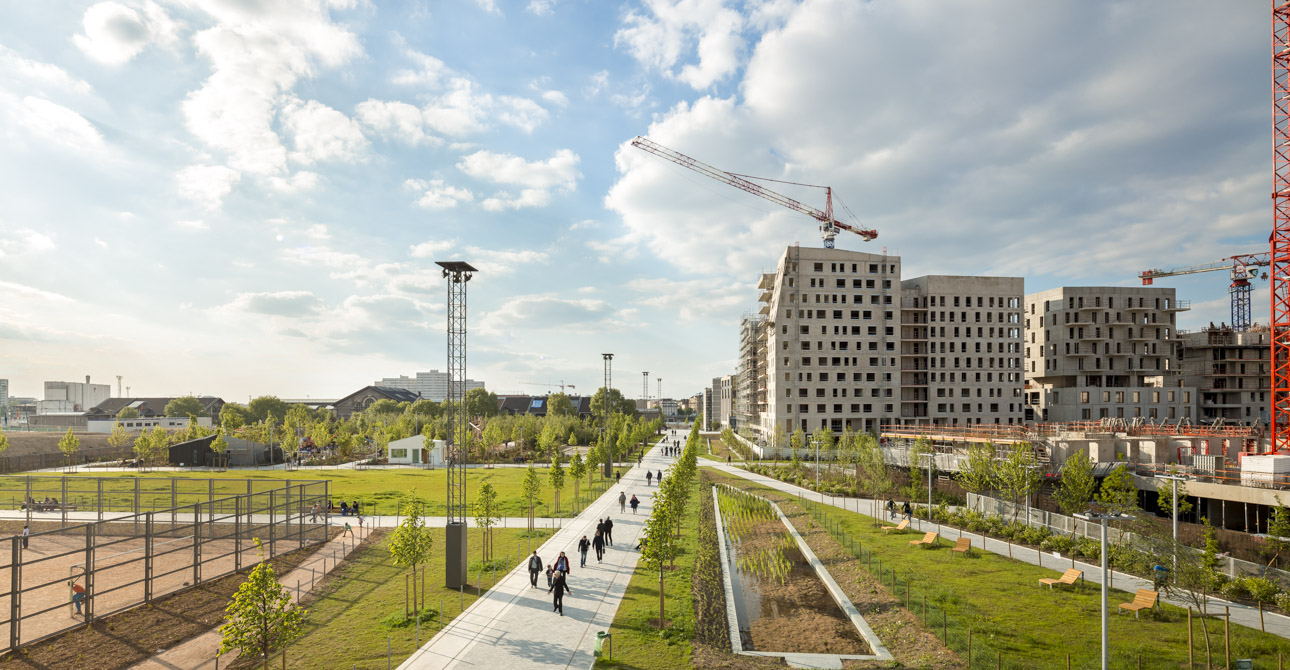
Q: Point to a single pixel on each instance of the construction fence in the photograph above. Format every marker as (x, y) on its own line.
(68, 573)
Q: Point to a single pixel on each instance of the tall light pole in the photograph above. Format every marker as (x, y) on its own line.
(930, 462)
(1174, 479)
(816, 442)
(609, 445)
(458, 273)
(645, 389)
(1096, 514)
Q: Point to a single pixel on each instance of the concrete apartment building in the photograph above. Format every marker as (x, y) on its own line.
(832, 344)
(62, 397)
(750, 384)
(1099, 352)
(4, 399)
(432, 385)
(960, 350)
(723, 401)
(706, 408)
(1231, 373)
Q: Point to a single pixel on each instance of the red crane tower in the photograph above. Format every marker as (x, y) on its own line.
(1280, 239)
(1242, 269)
(829, 226)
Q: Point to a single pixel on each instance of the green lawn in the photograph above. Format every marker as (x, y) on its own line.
(1001, 601)
(361, 606)
(638, 643)
(378, 491)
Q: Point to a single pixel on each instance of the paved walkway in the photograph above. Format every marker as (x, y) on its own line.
(1242, 614)
(513, 625)
(199, 653)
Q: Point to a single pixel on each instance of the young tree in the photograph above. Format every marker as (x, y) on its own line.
(127, 413)
(142, 449)
(232, 417)
(185, 406)
(531, 488)
(486, 515)
(576, 470)
(659, 546)
(976, 474)
(219, 445)
(559, 404)
(266, 407)
(573, 438)
(410, 545)
(1165, 497)
(780, 437)
(877, 478)
(556, 478)
(1017, 475)
(261, 617)
(1278, 539)
(69, 445)
(1077, 485)
(1118, 492)
(119, 438)
(797, 441)
(918, 456)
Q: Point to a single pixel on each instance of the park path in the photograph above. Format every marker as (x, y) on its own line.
(513, 625)
(1242, 614)
(199, 653)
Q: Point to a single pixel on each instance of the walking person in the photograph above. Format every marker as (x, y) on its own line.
(583, 545)
(562, 564)
(622, 502)
(649, 477)
(559, 586)
(26, 535)
(313, 513)
(634, 503)
(909, 513)
(535, 567)
(618, 477)
(550, 574)
(659, 477)
(609, 531)
(891, 509)
(598, 542)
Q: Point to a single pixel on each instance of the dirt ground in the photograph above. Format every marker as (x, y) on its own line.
(22, 444)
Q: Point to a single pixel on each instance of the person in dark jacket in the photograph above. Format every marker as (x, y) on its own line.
(598, 542)
(649, 477)
(559, 586)
(909, 513)
(583, 545)
(562, 564)
(535, 568)
(609, 531)
(634, 503)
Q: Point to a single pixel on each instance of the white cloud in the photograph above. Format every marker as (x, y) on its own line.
(430, 248)
(16, 71)
(23, 241)
(489, 6)
(100, 243)
(257, 53)
(194, 225)
(538, 178)
(58, 123)
(435, 194)
(430, 71)
(113, 33)
(397, 120)
(505, 261)
(291, 304)
(673, 28)
(556, 98)
(550, 312)
(322, 134)
(206, 185)
(541, 7)
(597, 83)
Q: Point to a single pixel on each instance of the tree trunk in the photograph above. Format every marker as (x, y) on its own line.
(557, 501)
(660, 596)
(1209, 657)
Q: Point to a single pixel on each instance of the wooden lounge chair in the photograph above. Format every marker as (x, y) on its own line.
(1068, 578)
(929, 539)
(900, 526)
(1143, 600)
(963, 546)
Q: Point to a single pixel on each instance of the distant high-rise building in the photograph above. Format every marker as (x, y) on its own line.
(1231, 370)
(4, 400)
(432, 385)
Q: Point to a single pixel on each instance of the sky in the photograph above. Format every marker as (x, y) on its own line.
(238, 198)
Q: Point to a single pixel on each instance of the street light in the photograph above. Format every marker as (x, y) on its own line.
(1174, 479)
(1098, 513)
(930, 462)
(816, 442)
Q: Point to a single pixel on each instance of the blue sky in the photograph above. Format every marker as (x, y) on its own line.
(236, 198)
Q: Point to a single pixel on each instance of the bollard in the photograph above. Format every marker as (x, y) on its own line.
(461, 599)
(442, 622)
(388, 664)
(418, 629)
(297, 590)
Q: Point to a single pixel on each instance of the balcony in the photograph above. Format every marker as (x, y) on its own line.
(1179, 306)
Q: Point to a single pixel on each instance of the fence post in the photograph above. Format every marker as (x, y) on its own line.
(272, 520)
(88, 605)
(15, 589)
(63, 506)
(197, 544)
(99, 481)
(147, 557)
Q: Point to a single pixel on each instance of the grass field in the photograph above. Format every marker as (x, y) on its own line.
(377, 491)
(1038, 626)
(360, 608)
(637, 642)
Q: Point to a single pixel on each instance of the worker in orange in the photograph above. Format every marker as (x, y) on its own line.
(78, 596)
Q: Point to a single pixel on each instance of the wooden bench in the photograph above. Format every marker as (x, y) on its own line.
(1143, 600)
(900, 526)
(1068, 578)
(963, 546)
(929, 539)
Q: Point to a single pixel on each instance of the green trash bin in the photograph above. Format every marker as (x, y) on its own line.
(601, 636)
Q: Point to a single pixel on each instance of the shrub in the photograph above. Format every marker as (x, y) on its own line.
(1283, 601)
(1262, 589)
(1235, 588)
(1035, 536)
(1088, 548)
(1059, 543)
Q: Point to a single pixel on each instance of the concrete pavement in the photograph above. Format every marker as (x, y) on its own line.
(513, 625)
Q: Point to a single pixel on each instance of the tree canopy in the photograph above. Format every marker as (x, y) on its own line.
(481, 402)
(559, 404)
(617, 403)
(266, 406)
(127, 413)
(185, 406)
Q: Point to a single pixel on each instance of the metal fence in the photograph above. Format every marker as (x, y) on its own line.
(57, 459)
(69, 573)
(1066, 525)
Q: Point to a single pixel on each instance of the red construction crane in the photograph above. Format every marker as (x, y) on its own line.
(829, 226)
(1242, 268)
(1280, 239)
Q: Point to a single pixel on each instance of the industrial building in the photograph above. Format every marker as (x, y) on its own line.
(1101, 352)
(63, 397)
(431, 385)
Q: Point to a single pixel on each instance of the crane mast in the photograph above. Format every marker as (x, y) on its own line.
(829, 225)
(1280, 239)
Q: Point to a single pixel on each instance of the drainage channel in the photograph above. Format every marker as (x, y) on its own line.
(778, 592)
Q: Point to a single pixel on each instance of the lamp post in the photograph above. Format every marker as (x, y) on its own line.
(1098, 514)
(1174, 479)
(816, 442)
(930, 462)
